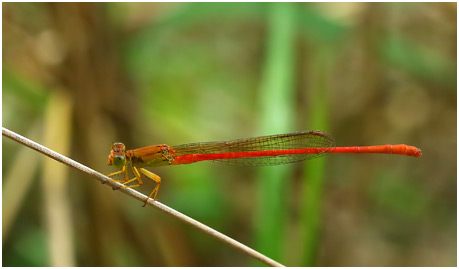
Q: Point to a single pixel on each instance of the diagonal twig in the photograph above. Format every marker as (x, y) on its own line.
(141, 197)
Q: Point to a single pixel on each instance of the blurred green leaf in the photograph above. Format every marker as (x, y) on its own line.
(199, 185)
(311, 205)
(276, 116)
(149, 45)
(319, 29)
(28, 91)
(29, 249)
(418, 60)
(399, 196)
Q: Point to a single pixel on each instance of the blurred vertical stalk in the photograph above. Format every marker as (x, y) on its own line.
(18, 182)
(276, 116)
(55, 182)
(310, 213)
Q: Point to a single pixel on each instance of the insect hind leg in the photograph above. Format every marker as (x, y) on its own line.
(156, 179)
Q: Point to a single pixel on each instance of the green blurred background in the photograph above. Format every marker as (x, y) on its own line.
(78, 77)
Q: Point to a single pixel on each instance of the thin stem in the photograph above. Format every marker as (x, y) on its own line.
(141, 197)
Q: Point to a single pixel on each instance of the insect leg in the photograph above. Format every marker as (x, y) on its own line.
(156, 179)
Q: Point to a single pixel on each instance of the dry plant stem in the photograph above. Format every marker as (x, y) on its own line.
(139, 196)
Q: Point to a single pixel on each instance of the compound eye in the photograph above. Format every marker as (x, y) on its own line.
(119, 161)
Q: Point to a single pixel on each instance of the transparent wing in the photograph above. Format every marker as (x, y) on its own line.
(290, 141)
